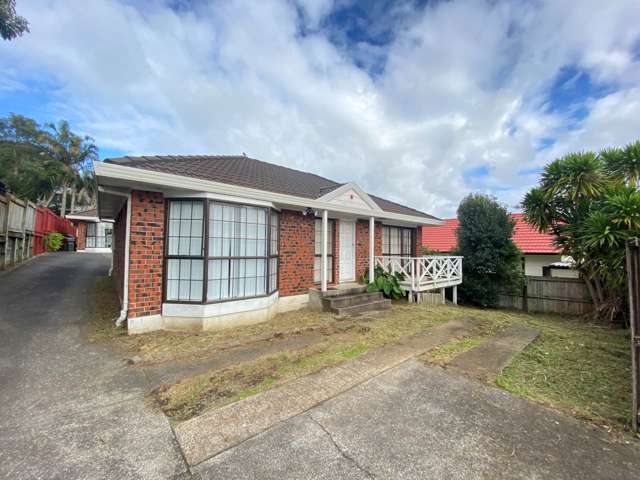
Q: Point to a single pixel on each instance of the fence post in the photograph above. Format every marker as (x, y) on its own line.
(633, 273)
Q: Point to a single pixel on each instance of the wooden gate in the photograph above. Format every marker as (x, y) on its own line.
(633, 272)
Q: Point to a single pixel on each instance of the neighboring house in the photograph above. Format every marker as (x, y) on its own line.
(92, 234)
(203, 242)
(541, 256)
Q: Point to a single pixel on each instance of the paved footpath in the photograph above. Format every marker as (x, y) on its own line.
(488, 359)
(68, 409)
(213, 432)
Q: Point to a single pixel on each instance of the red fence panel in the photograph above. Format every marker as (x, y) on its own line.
(47, 222)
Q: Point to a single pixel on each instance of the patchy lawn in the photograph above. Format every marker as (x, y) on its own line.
(581, 368)
(577, 367)
(162, 346)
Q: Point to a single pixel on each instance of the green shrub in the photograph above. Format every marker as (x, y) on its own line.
(53, 241)
(492, 262)
(385, 282)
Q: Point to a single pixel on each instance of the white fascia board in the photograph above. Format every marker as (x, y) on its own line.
(83, 219)
(217, 196)
(158, 181)
(351, 186)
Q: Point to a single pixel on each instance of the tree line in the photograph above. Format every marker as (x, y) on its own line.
(47, 164)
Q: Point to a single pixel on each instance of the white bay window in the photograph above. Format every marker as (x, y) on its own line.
(238, 258)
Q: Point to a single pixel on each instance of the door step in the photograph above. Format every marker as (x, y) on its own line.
(354, 303)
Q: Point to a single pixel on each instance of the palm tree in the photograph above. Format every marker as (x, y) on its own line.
(623, 164)
(73, 152)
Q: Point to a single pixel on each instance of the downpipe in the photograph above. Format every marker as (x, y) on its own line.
(125, 283)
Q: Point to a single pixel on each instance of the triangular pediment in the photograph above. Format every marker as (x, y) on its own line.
(351, 195)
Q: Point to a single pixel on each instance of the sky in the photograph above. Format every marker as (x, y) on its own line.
(421, 102)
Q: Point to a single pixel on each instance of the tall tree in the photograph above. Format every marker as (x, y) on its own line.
(73, 152)
(492, 262)
(590, 202)
(25, 166)
(12, 25)
(39, 164)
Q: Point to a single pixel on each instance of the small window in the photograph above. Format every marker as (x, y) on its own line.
(318, 251)
(397, 241)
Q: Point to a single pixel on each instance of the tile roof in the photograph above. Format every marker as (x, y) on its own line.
(442, 238)
(249, 172)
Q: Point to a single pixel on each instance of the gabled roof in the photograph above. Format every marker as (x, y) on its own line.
(249, 172)
(442, 238)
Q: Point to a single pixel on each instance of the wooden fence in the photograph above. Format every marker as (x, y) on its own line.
(551, 295)
(633, 272)
(22, 228)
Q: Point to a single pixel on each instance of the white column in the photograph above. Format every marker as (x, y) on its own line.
(444, 298)
(323, 260)
(455, 294)
(372, 247)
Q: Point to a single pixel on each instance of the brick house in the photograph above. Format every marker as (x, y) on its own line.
(203, 242)
(92, 235)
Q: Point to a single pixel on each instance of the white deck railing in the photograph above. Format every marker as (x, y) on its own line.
(422, 274)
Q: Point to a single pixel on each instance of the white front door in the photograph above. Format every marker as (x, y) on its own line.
(347, 251)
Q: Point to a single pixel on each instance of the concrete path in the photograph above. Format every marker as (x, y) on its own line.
(487, 360)
(69, 409)
(420, 422)
(213, 432)
(169, 372)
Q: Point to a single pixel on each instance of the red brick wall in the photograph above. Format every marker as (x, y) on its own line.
(417, 238)
(146, 253)
(81, 235)
(336, 250)
(362, 245)
(119, 233)
(297, 250)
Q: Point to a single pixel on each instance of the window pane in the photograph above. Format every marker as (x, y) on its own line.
(185, 228)
(318, 242)
(275, 219)
(273, 274)
(184, 279)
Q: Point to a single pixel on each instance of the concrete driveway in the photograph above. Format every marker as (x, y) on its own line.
(72, 410)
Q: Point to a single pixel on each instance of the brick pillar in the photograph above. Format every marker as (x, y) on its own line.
(418, 241)
(146, 253)
(297, 251)
(336, 251)
(81, 235)
(362, 245)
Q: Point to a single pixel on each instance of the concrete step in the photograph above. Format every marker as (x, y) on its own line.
(344, 291)
(349, 300)
(381, 304)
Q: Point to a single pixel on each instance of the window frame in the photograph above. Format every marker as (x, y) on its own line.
(411, 241)
(329, 253)
(206, 203)
(107, 237)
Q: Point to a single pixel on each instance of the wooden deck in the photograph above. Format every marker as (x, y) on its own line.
(424, 274)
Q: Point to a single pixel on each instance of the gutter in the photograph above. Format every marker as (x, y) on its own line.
(127, 241)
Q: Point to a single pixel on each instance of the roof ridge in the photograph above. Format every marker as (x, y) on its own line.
(251, 172)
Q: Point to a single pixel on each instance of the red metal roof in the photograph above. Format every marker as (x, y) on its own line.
(442, 238)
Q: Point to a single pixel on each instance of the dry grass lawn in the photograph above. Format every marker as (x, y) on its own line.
(573, 366)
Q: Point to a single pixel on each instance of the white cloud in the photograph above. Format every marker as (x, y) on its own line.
(464, 85)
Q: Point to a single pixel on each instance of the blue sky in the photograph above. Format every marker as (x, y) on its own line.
(418, 101)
